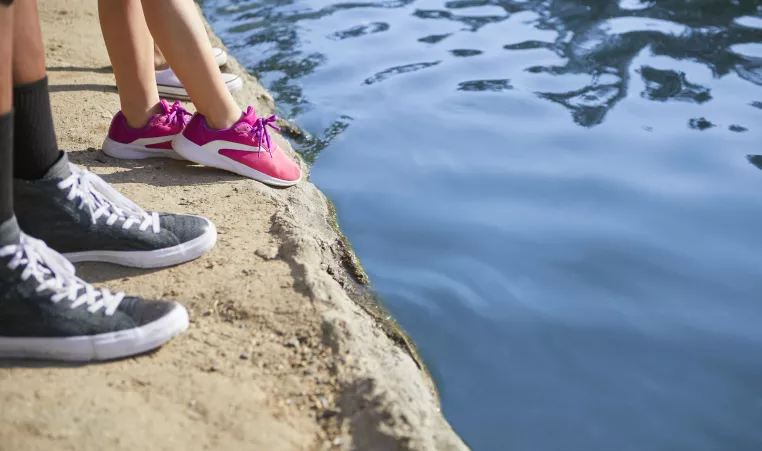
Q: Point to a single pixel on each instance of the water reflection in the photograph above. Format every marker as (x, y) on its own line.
(383, 75)
(310, 146)
(700, 123)
(598, 39)
(756, 160)
(360, 30)
(485, 85)
(465, 52)
(664, 85)
(434, 38)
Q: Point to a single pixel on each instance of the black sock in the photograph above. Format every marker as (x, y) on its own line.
(34, 139)
(6, 166)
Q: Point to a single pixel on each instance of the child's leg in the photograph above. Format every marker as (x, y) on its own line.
(180, 33)
(130, 48)
(177, 28)
(35, 146)
(6, 116)
(159, 62)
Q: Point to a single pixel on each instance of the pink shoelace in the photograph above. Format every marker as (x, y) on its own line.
(177, 114)
(258, 129)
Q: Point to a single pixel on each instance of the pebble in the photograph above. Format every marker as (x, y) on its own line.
(267, 253)
(244, 356)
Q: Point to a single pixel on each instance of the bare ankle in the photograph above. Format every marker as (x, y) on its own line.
(139, 117)
(157, 65)
(159, 62)
(222, 121)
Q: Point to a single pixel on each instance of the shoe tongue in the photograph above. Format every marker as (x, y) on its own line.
(158, 118)
(249, 116)
(10, 232)
(59, 170)
(165, 108)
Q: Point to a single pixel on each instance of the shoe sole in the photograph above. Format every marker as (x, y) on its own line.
(221, 59)
(109, 346)
(159, 258)
(209, 157)
(178, 92)
(134, 152)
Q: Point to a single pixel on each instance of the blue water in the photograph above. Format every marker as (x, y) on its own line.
(559, 200)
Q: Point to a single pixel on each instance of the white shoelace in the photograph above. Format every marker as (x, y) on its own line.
(102, 200)
(53, 272)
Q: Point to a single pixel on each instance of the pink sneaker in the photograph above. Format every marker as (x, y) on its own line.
(152, 140)
(245, 148)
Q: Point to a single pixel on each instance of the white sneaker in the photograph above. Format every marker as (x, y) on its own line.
(169, 85)
(220, 56)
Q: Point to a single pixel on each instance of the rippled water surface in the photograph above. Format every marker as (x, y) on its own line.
(561, 201)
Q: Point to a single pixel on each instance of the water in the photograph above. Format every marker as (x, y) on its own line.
(559, 200)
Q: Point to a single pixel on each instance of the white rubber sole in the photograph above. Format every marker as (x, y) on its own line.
(136, 152)
(160, 258)
(113, 345)
(220, 57)
(178, 92)
(209, 157)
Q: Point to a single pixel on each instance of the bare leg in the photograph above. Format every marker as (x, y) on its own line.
(159, 62)
(130, 48)
(28, 51)
(179, 31)
(6, 49)
(177, 28)
(6, 120)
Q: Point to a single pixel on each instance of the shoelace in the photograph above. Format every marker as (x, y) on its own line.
(102, 200)
(259, 130)
(56, 274)
(177, 114)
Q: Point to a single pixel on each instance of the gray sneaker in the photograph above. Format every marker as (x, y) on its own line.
(46, 312)
(81, 216)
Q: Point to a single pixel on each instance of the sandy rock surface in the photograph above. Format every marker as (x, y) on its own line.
(278, 356)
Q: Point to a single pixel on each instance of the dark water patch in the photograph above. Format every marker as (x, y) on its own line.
(664, 85)
(485, 85)
(700, 123)
(360, 30)
(465, 52)
(756, 160)
(392, 71)
(434, 38)
(528, 45)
